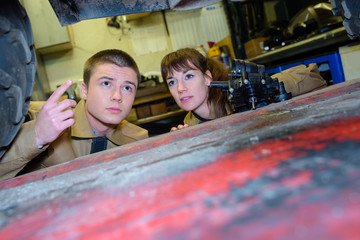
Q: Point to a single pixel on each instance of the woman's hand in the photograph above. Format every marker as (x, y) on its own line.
(180, 126)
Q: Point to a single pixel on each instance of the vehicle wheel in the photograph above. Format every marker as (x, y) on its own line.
(349, 10)
(17, 69)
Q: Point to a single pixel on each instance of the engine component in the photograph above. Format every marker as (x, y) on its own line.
(250, 87)
(314, 19)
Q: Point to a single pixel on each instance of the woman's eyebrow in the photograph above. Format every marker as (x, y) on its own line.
(183, 72)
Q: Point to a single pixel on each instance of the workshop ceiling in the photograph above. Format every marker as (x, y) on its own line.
(72, 11)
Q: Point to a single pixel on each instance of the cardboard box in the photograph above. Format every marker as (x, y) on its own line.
(254, 47)
(158, 108)
(143, 111)
(227, 42)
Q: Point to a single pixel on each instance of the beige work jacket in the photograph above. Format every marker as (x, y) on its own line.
(192, 120)
(24, 155)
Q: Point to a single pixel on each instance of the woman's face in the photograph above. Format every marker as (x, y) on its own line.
(190, 89)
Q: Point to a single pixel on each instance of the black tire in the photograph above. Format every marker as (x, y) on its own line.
(349, 10)
(17, 69)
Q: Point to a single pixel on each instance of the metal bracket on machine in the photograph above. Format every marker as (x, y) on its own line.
(250, 87)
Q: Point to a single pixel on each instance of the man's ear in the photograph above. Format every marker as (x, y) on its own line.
(208, 78)
(84, 90)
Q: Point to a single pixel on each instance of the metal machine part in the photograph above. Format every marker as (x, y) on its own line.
(250, 87)
(314, 19)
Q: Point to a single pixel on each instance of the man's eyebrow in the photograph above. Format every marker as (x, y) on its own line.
(132, 83)
(107, 78)
(111, 79)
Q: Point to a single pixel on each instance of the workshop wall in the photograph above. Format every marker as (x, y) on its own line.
(91, 36)
(147, 38)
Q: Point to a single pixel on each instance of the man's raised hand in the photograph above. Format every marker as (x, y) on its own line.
(54, 116)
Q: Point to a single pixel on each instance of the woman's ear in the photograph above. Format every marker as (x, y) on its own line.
(84, 90)
(208, 78)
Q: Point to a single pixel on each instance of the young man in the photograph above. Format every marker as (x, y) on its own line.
(57, 133)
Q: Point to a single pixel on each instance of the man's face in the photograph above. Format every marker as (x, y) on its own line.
(110, 95)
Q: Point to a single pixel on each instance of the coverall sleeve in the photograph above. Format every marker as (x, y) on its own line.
(21, 151)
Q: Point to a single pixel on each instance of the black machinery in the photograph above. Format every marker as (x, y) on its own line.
(250, 87)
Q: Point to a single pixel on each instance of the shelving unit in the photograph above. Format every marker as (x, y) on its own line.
(163, 116)
(155, 110)
(320, 49)
(316, 44)
(151, 98)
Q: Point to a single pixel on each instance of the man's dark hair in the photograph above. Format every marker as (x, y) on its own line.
(113, 56)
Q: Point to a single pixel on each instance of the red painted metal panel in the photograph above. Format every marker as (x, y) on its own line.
(286, 171)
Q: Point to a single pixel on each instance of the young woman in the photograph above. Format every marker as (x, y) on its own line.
(188, 74)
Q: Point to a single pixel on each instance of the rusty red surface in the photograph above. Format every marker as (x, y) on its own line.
(285, 171)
